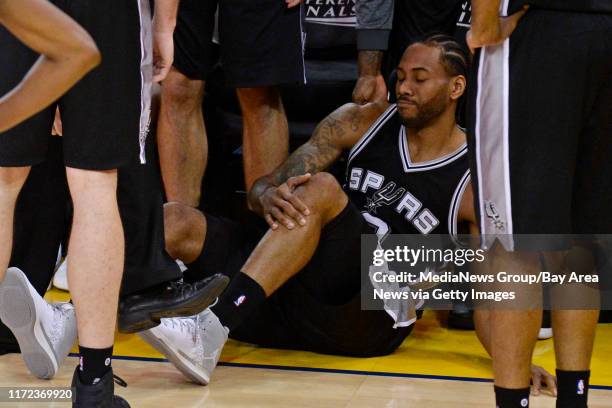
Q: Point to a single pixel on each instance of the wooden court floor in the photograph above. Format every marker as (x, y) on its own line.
(435, 367)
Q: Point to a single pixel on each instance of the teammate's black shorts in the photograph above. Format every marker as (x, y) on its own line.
(261, 41)
(541, 127)
(106, 114)
(319, 309)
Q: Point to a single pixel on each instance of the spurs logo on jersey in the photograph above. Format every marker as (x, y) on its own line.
(409, 206)
(398, 196)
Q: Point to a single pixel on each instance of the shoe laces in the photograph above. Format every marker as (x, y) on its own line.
(184, 324)
(179, 286)
(119, 381)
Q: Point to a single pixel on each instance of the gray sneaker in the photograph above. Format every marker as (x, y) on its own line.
(193, 344)
(45, 332)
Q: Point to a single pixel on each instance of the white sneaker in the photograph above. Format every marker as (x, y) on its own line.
(45, 332)
(60, 279)
(193, 344)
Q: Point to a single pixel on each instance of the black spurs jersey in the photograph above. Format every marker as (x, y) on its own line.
(398, 196)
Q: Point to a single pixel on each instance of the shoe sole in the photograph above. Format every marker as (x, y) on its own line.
(181, 363)
(137, 322)
(18, 312)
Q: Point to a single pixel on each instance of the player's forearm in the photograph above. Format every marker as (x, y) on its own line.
(68, 53)
(485, 19)
(164, 18)
(44, 84)
(312, 157)
(369, 62)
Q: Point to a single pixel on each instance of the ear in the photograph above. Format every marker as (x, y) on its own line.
(457, 87)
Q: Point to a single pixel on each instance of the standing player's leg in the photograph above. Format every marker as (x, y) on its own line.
(21, 308)
(11, 181)
(265, 135)
(104, 119)
(182, 139)
(95, 263)
(506, 146)
(256, 65)
(511, 355)
(592, 199)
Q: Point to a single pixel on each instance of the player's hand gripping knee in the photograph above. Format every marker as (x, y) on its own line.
(281, 205)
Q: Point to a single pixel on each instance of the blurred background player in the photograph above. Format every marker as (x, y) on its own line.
(538, 175)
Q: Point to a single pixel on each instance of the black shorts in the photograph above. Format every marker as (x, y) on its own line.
(261, 41)
(319, 309)
(540, 127)
(105, 116)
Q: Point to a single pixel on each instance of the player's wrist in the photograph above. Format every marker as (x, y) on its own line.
(487, 36)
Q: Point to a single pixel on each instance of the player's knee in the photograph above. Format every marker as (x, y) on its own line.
(322, 192)
(176, 228)
(181, 93)
(92, 188)
(260, 102)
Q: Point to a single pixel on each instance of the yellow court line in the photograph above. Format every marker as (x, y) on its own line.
(430, 350)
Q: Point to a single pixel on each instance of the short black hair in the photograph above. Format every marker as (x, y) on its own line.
(454, 56)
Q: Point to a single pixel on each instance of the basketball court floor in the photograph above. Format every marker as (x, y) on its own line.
(435, 367)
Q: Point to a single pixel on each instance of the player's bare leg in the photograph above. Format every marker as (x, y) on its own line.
(265, 135)
(575, 329)
(280, 254)
(186, 231)
(574, 338)
(514, 328)
(95, 267)
(182, 139)
(11, 181)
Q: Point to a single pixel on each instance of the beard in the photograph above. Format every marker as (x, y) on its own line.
(426, 112)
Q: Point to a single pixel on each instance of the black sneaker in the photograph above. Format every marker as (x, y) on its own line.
(100, 395)
(178, 299)
(461, 317)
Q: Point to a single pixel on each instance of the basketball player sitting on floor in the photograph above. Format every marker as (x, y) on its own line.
(296, 281)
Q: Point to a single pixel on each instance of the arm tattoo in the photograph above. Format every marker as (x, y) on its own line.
(323, 149)
(369, 62)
